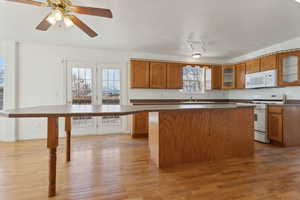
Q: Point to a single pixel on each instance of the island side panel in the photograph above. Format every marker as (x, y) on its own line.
(201, 135)
(232, 131)
(153, 140)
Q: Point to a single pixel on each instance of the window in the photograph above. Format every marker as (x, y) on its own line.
(2, 69)
(82, 92)
(111, 86)
(111, 83)
(81, 85)
(193, 79)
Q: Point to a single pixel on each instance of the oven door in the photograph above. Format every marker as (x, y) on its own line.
(260, 120)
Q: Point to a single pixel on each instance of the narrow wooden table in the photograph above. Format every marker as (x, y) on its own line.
(53, 113)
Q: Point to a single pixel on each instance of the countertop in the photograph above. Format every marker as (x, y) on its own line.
(104, 110)
(179, 103)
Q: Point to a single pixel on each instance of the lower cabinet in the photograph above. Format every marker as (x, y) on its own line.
(284, 125)
(140, 125)
(275, 127)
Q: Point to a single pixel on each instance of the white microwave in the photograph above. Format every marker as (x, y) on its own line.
(262, 79)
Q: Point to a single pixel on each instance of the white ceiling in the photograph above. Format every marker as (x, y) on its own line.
(229, 27)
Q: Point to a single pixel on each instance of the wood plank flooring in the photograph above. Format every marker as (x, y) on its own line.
(118, 167)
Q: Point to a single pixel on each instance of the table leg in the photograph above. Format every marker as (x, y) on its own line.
(68, 138)
(52, 144)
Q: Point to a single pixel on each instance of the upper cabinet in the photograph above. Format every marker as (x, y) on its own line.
(253, 66)
(240, 72)
(289, 68)
(140, 74)
(174, 76)
(216, 77)
(268, 62)
(158, 75)
(228, 77)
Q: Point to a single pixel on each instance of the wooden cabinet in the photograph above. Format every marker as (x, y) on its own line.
(253, 66)
(216, 77)
(284, 125)
(289, 68)
(240, 72)
(158, 75)
(268, 62)
(140, 74)
(213, 77)
(174, 76)
(228, 77)
(275, 129)
(140, 125)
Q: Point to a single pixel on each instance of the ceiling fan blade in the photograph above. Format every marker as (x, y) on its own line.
(83, 26)
(29, 2)
(101, 12)
(44, 25)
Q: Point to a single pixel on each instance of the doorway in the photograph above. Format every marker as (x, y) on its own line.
(95, 84)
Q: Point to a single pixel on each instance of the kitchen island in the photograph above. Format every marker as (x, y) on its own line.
(178, 133)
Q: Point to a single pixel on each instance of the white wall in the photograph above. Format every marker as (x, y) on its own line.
(291, 92)
(41, 78)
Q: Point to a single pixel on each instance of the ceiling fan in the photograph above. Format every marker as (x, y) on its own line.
(62, 9)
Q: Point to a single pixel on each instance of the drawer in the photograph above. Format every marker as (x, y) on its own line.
(275, 109)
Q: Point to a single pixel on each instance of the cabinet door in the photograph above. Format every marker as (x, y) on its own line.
(216, 77)
(268, 63)
(158, 75)
(174, 76)
(275, 130)
(288, 65)
(140, 124)
(228, 77)
(140, 74)
(253, 66)
(240, 75)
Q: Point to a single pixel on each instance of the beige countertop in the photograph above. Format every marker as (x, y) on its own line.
(104, 110)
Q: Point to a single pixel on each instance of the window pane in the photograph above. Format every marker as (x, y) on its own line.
(81, 85)
(111, 95)
(111, 86)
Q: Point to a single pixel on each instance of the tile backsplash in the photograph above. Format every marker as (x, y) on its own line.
(174, 94)
(291, 92)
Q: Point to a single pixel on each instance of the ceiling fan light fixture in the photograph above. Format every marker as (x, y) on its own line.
(51, 19)
(68, 22)
(196, 55)
(58, 15)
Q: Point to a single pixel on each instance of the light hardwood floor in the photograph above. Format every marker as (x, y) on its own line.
(118, 167)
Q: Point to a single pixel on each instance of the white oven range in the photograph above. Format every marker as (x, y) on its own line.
(261, 116)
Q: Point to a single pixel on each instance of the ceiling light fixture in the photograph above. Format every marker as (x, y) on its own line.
(51, 19)
(58, 15)
(68, 22)
(196, 55)
(197, 48)
(298, 1)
